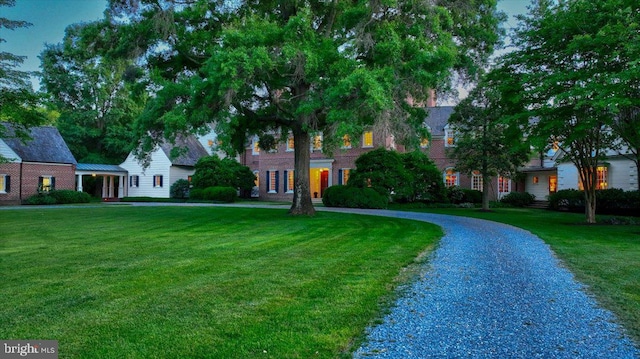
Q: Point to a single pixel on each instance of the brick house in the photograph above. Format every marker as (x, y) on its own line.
(274, 169)
(41, 162)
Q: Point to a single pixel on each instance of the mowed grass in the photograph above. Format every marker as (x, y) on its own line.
(200, 282)
(604, 257)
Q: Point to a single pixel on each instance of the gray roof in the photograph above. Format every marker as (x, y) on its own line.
(190, 148)
(437, 119)
(95, 167)
(44, 144)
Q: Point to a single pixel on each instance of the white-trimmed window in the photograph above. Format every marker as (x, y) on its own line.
(346, 141)
(451, 177)
(46, 183)
(5, 183)
(255, 146)
(343, 176)
(272, 181)
(157, 181)
(289, 179)
(316, 142)
(290, 143)
(134, 181)
(476, 181)
(367, 139)
(602, 173)
(504, 185)
(449, 136)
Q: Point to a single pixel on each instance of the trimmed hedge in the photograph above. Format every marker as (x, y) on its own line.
(608, 201)
(219, 194)
(180, 189)
(457, 195)
(518, 199)
(64, 196)
(353, 197)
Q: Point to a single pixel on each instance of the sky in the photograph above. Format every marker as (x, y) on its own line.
(51, 17)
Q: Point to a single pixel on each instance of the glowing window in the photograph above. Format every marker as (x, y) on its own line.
(346, 141)
(601, 178)
(290, 181)
(367, 139)
(290, 143)
(450, 178)
(504, 185)
(255, 147)
(317, 143)
(157, 181)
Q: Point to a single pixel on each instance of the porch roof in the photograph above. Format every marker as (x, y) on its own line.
(99, 168)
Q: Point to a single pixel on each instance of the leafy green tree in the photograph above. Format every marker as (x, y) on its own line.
(486, 141)
(384, 171)
(212, 171)
(299, 67)
(426, 179)
(568, 72)
(18, 102)
(626, 125)
(95, 95)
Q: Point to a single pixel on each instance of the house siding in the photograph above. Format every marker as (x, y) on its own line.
(7, 153)
(159, 165)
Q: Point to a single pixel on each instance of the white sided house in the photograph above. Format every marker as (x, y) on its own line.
(163, 170)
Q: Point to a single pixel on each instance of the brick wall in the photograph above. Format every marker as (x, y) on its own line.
(13, 171)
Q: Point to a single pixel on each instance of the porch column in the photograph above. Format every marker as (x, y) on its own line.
(112, 184)
(79, 183)
(121, 186)
(104, 186)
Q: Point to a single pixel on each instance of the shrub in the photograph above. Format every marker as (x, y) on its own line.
(212, 171)
(353, 197)
(472, 195)
(455, 194)
(608, 201)
(66, 196)
(220, 194)
(567, 200)
(180, 189)
(426, 184)
(40, 199)
(384, 172)
(518, 199)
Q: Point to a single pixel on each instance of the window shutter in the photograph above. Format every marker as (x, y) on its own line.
(130, 181)
(160, 181)
(286, 181)
(277, 181)
(7, 184)
(340, 177)
(53, 183)
(268, 181)
(40, 181)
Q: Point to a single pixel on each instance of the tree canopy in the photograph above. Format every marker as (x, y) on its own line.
(96, 96)
(18, 102)
(486, 140)
(298, 67)
(572, 71)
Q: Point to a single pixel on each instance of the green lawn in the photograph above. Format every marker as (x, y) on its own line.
(605, 257)
(177, 282)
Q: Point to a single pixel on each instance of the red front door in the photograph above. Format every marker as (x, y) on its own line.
(324, 181)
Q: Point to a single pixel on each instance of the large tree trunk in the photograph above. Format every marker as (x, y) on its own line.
(302, 204)
(590, 205)
(588, 176)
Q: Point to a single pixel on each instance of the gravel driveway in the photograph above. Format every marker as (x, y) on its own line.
(493, 291)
